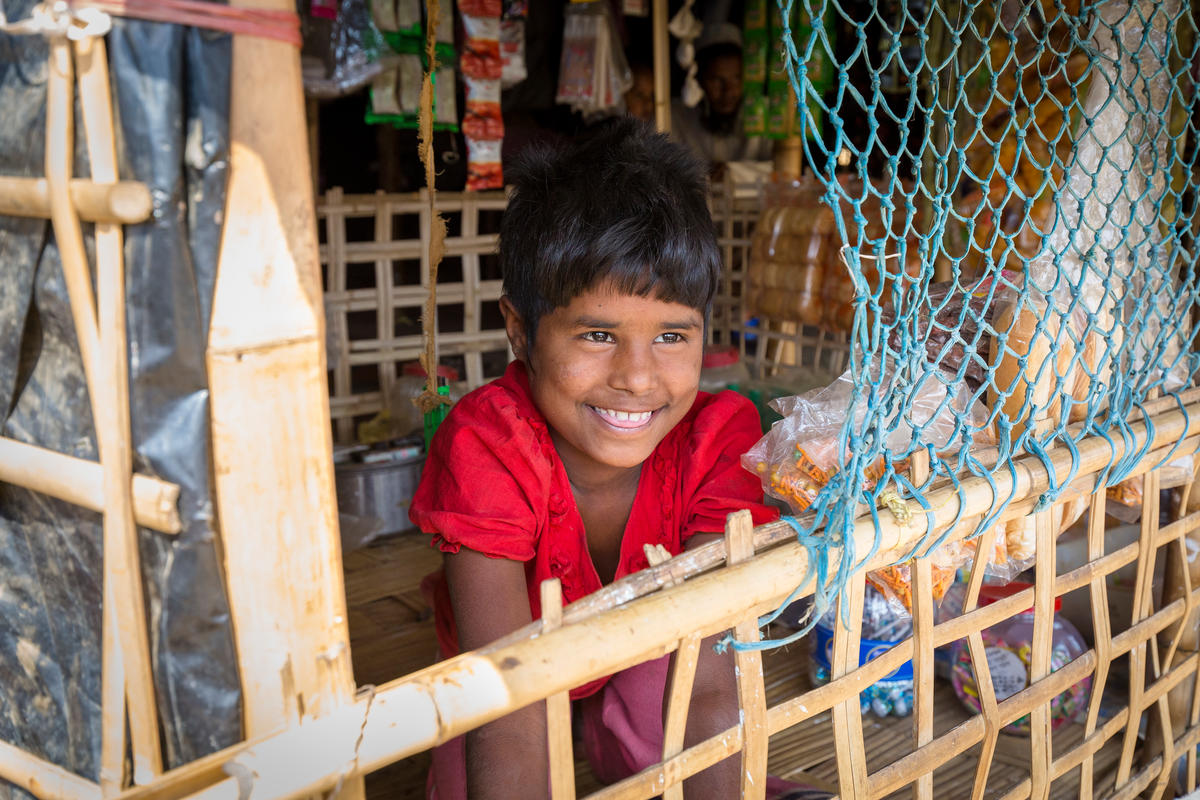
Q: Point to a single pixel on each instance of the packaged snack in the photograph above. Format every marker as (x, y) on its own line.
(482, 67)
(796, 459)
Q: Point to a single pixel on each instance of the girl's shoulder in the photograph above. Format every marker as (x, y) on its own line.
(502, 408)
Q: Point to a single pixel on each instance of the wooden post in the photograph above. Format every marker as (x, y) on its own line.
(662, 67)
(272, 447)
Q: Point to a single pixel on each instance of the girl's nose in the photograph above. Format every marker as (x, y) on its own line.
(633, 369)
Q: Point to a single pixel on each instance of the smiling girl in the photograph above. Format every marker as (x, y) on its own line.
(595, 442)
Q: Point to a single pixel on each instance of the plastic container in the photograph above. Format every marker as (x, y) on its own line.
(722, 368)
(882, 629)
(1008, 645)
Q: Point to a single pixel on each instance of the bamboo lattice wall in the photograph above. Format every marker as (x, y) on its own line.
(375, 268)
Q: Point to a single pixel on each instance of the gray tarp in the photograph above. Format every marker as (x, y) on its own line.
(171, 97)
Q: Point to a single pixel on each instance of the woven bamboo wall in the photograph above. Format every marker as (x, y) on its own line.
(376, 273)
(375, 266)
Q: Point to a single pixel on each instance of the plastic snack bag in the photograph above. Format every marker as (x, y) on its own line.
(797, 457)
(482, 66)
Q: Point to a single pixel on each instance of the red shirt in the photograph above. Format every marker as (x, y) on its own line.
(494, 483)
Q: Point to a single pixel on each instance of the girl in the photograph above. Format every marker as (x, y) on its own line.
(595, 442)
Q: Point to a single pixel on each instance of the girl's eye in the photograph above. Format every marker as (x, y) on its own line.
(670, 338)
(600, 337)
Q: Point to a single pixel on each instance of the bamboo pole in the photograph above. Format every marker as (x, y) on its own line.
(272, 447)
(662, 67)
(128, 653)
(81, 482)
(42, 779)
(122, 202)
(104, 366)
(558, 705)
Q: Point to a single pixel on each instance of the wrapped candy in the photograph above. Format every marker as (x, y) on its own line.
(1009, 645)
(883, 626)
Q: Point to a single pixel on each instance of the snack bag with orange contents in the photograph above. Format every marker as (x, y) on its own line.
(798, 457)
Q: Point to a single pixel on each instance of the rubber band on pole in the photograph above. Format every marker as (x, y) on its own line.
(279, 25)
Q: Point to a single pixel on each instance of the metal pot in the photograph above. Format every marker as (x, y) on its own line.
(373, 499)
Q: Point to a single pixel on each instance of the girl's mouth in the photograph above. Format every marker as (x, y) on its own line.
(627, 420)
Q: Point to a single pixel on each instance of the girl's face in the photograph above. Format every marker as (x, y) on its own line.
(613, 374)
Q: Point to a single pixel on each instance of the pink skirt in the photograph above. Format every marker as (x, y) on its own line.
(622, 729)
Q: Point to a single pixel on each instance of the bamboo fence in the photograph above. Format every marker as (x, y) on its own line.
(670, 606)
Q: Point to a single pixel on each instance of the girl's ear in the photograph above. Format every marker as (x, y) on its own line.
(514, 326)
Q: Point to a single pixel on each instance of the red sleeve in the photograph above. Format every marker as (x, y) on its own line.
(484, 481)
(711, 469)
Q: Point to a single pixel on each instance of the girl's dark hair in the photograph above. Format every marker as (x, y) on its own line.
(625, 205)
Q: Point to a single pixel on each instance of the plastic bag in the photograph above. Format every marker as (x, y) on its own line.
(796, 458)
(799, 455)
(481, 65)
(340, 54)
(956, 339)
(593, 75)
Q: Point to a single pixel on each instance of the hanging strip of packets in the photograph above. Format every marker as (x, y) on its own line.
(396, 90)
(769, 102)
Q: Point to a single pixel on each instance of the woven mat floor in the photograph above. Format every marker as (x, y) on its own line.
(391, 635)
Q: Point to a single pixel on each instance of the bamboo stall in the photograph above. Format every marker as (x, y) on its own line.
(307, 727)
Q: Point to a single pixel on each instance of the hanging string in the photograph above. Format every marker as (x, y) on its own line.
(429, 400)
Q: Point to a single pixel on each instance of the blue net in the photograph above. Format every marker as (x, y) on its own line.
(1019, 225)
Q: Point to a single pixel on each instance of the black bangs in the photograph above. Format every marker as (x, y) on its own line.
(626, 206)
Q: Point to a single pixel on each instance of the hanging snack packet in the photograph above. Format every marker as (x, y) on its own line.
(481, 65)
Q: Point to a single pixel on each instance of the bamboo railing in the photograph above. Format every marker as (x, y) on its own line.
(672, 605)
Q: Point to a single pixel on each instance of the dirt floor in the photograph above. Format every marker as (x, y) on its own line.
(391, 633)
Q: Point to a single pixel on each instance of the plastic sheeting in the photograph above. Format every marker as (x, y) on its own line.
(171, 98)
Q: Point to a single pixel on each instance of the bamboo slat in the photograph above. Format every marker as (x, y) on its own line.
(558, 706)
(127, 653)
(678, 695)
(739, 539)
(273, 462)
(79, 481)
(112, 201)
(43, 779)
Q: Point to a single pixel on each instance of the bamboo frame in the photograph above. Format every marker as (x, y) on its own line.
(81, 482)
(273, 471)
(450, 698)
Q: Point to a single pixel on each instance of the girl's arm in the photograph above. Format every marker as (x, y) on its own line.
(506, 758)
(714, 709)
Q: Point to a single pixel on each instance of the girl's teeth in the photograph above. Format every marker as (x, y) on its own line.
(626, 416)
